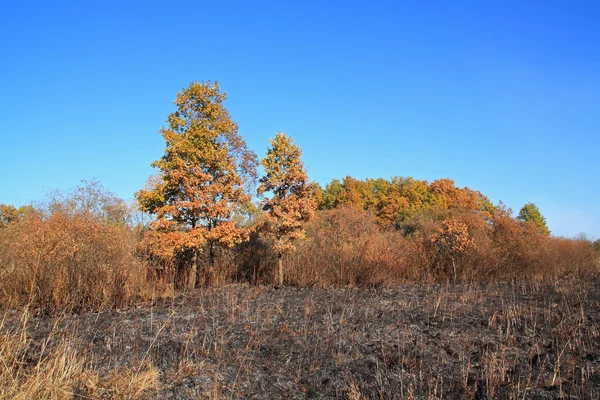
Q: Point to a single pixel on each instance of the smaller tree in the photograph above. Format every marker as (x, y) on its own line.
(531, 213)
(292, 201)
(8, 215)
(331, 197)
(451, 240)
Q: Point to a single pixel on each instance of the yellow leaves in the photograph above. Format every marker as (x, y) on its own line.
(283, 169)
(292, 201)
(203, 175)
(396, 200)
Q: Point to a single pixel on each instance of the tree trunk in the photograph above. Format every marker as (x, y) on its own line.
(211, 262)
(279, 273)
(454, 269)
(191, 283)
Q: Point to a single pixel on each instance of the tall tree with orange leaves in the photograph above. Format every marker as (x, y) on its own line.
(292, 201)
(203, 178)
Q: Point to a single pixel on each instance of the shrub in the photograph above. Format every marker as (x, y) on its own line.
(451, 241)
(69, 259)
(346, 246)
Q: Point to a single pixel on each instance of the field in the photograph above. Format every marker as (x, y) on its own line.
(399, 203)
(538, 340)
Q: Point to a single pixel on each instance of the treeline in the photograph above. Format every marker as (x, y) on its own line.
(208, 217)
(395, 202)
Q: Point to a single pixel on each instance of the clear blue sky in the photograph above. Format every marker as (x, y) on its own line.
(500, 96)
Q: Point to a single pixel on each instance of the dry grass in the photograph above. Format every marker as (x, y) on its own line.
(53, 367)
(534, 339)
(126, 383)
(53, 376)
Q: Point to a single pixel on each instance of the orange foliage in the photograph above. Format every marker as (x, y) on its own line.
(396, 200)
(452, 237)
(69, 263)
(202, 179)
(292, 202)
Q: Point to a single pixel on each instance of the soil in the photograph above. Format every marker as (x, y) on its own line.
(529, 340)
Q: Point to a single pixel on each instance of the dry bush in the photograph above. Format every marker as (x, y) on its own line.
(515, 250)
(428, 260)
(69, 263)
(346, 246)
(255, 260)
(563, 256)
(77, 253)
(239, 263)
(72, 257)
(506, 249)
(450, 242)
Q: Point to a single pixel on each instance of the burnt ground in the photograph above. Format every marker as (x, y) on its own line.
(527, 340)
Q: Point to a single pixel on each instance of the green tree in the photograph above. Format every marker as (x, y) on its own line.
(531, 213)
(203, 179)
(332, 195)
(292, 201)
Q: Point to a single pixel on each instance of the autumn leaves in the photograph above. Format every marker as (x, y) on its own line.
(203, 178)
(292, 201)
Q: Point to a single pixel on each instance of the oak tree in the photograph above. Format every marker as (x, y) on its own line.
(203, 178)
(292, 202)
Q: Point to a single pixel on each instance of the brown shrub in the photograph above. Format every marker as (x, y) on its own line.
(78, 254)
(346, 246)
(255, 260)
(507, 249)
(562, 256)
(69, 263)
(73, 253)
(449, 243)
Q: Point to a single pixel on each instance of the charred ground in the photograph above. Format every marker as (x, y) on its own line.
(523, 340)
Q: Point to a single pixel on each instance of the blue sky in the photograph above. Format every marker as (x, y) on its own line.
(500, 96)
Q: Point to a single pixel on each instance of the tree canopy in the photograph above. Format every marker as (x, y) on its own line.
(396, 200)
(291, 203)
(531, 213)
(203, 176)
